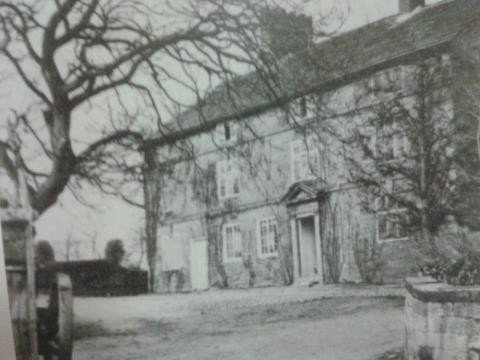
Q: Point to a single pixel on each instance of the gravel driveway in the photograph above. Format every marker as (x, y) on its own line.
(333, 322)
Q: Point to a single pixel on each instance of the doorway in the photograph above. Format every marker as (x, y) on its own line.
(199, 264)
(307, 249)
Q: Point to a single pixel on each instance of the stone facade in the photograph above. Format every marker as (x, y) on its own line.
(260, 146)
(191, 207)
(442, 322)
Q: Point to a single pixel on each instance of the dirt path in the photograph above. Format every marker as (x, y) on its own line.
(180, 328)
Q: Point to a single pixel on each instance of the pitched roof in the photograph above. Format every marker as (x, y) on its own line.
(331, 63)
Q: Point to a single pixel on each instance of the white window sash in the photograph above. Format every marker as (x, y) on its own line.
(228, 179)
(385, 215)
(267, 238)
(232, 243)
(305, 159)
(390, 143)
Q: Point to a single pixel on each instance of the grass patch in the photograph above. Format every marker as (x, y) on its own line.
(314, 309)
(89, 330)
(394, 354)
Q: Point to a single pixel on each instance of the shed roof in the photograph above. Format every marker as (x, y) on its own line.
(332, 63)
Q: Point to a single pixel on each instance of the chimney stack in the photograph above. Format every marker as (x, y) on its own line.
(406, 6)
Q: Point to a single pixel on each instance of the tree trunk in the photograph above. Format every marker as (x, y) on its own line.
(63, 159)
(151, 193)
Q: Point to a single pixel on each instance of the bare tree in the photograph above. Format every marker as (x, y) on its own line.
(132, 59)
(71, 52)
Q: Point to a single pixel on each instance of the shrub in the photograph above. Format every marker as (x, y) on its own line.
(453, 258)
(44, 253)
(114, 251)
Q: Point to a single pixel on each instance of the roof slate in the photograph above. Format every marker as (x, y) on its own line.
(332, 62)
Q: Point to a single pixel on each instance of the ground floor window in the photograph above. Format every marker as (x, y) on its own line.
(391, 220)
(267, 237)
(232, 242)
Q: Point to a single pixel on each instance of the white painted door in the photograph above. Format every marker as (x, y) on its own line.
(307, 248)
(199, 264)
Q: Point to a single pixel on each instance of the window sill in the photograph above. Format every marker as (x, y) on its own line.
(228, 197)
(393, 161)
(268, 256)
(389, 240)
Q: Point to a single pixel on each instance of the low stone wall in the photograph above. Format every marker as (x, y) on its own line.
(442, 321)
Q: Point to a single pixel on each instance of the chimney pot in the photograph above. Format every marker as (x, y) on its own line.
(406, 6)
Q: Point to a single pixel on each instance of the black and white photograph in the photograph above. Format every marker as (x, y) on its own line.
(240, 179)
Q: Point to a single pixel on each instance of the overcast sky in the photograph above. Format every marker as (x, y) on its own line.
(113, 218)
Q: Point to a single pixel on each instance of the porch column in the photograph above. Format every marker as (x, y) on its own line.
(318, 248)
(293, 227)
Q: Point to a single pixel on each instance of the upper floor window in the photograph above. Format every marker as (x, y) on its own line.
(305, 159)
(228, 179)
(391, 220)
(232, 242)
(267, 237)
(392, 143)
(387, 80)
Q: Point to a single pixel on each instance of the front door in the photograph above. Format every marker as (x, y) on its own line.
(199, 264)
(307, 249)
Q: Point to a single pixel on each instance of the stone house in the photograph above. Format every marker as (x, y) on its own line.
(252, 195)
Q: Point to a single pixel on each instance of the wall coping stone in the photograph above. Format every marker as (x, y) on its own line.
(427, 289)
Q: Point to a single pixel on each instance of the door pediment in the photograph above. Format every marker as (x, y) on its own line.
(305, 191)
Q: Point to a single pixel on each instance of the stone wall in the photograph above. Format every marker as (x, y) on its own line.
(442, 321)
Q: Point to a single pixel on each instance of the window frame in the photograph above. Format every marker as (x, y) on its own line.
(276, 239)
(385, 213)
(381, 80)
(398, 142)
(297, 157)
(230, 178)
(233, 259)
